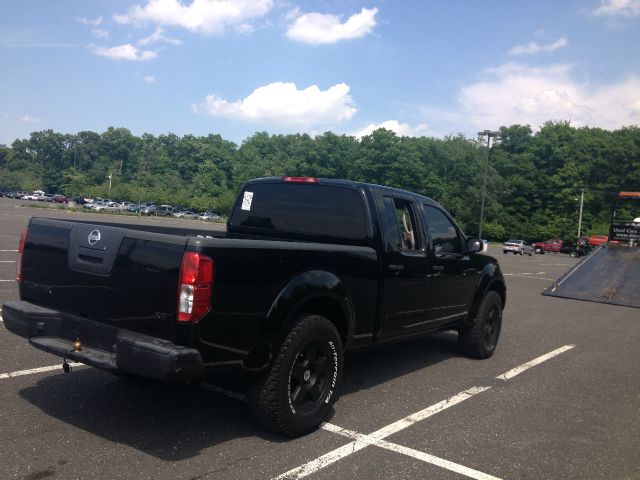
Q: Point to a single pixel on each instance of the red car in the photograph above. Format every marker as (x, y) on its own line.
(597, 239)
(551, 245)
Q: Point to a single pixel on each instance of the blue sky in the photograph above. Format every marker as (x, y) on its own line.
(234, 67)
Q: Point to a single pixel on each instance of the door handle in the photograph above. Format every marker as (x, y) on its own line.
(438, 268)
(396, 268)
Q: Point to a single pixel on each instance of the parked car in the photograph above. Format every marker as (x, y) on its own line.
(307, 269)
(595, 240)
(148, 210)
(210, 217)
(113, 207)
(164, 211)
(185, 214)
(517, 247)
(552, 245)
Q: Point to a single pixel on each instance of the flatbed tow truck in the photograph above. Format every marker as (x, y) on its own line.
(611, 272)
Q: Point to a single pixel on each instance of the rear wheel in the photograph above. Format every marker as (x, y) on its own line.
(480, 339)
(297, 392)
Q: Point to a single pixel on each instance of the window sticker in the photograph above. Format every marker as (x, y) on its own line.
(246, 201)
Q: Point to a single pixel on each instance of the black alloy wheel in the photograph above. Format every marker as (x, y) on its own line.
(297, 391)
(480, 338)
(309, 381)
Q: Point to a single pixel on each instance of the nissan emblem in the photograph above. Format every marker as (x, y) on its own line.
(94, 237)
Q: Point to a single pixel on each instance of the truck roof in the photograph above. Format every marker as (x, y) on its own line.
(349, 184)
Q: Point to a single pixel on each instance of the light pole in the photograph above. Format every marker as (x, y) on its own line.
(109, 177)
(580, 215)
(490, 134)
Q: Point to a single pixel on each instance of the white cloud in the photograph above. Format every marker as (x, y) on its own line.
(94, 22)
(125, 52)
(401, 129)
(517, 94)
(533, 47)
(625, 8)
(283, 104)
(206, 16)
(100, 33)
(149, 79)
(318, 28)
(28, 119)
(158, 37)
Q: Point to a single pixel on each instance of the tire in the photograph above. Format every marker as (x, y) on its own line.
(573, 254)
(298, 390)
(539, 250)
(530, 252)
(481, 338)
(504, 251)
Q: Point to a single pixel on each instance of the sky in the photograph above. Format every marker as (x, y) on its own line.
(236, 67)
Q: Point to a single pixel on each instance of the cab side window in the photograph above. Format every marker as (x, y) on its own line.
(403, 235)
(444, 235)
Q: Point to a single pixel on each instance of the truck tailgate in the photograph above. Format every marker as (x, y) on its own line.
(122, 277)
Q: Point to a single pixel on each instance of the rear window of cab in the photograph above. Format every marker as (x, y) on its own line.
(302, 209)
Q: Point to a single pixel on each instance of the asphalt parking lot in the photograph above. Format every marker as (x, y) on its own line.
(559, 399)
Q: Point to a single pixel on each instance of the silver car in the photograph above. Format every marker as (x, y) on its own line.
(108, 207)
(517, 247)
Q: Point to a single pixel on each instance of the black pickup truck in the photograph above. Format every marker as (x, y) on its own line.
(307, 269)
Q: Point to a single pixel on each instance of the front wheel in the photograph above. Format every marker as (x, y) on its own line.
(298, 390)
(481, 338)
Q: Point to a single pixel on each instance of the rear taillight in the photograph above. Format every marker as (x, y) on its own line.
(195, 287)
(23, 239)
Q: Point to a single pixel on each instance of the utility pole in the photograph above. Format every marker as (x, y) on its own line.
(109, 177)
(489, 135)
(580, 216)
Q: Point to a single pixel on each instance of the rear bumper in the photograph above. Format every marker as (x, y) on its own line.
(103, 346)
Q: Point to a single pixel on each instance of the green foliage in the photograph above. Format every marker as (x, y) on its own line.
(533, 185)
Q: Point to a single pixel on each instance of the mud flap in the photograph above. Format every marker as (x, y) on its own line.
(610, 274)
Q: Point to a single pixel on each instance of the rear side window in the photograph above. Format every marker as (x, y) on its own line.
(444, 234)
(317, 210)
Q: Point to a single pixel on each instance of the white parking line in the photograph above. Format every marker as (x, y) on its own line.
(7, 261)
(11, 280)
(361, 441)
(31, 371)
(342, 452)
(536, 361)
(527, 275)
(417, 454)
(8, 250)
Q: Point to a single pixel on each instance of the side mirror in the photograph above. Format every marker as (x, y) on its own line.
(473, 245)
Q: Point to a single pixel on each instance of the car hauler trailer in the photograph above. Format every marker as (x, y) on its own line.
(611, 273)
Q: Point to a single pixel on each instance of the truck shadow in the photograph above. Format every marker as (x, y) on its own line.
(368, 368)
(168, 421)
(176, 421)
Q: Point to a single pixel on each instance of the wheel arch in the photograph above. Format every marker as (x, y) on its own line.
(312, 292)
(490, 280)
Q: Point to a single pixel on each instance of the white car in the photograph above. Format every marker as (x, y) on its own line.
(517, 247)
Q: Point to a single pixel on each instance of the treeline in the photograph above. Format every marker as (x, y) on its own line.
(534, 180)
